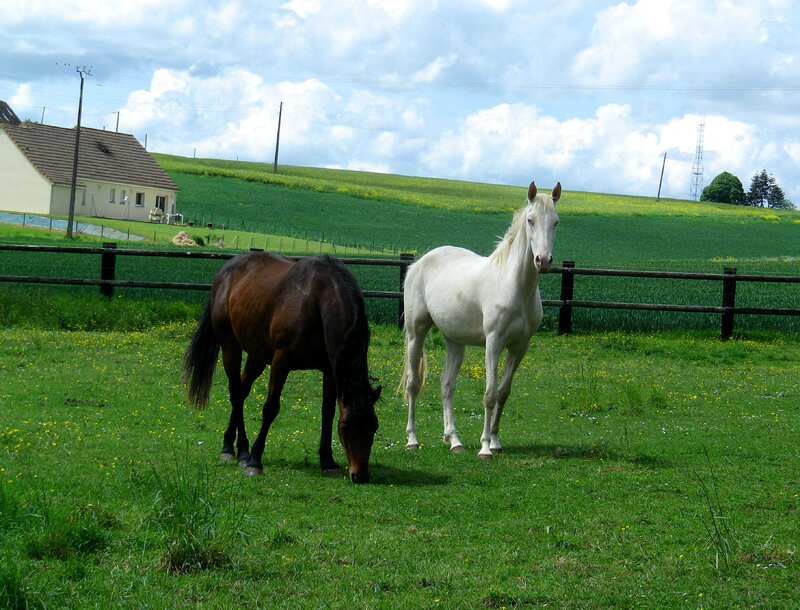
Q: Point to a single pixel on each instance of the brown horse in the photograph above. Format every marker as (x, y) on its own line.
(291, 315)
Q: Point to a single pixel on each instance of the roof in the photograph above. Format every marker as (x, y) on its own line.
(8, 115)
(104, 155)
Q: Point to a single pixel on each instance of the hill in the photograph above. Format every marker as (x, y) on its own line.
(421, 213)
(597, 230)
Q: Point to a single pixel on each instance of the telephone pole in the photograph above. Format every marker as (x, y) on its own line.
(661, 179)
(117, 128)
(43, 109)
(83, 71)
(277, 140)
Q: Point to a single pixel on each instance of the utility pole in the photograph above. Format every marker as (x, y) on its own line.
(83, 71)
(43, 109)
(145, 141)
(117, 128)
(660, 180)
(277, 140)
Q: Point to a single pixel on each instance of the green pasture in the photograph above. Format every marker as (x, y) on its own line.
(639, 471)
(161, 235)
(306, 211)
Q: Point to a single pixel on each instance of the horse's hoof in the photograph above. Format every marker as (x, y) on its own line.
(457, 449)
(485, 456)
(226, 457)
(334, 471)
(412, 446)
(253, 471)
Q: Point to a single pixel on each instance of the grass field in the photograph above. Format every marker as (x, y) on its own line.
(375, 213)
(640, 471)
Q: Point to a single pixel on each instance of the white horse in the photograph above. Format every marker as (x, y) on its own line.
(476, 300)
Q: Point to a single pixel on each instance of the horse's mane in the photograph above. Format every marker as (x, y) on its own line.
(504, 245)
(349, 354)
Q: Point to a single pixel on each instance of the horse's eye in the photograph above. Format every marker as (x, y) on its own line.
(530, 221)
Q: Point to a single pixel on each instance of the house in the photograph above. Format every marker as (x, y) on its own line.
(117, 178)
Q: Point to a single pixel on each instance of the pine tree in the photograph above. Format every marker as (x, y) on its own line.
(759, 189)
(777, 199)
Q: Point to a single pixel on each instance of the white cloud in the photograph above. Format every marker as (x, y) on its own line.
(100, 12)
(433, 70)
(685, 43)
(235, 113)
(21, 100)
(608, 151)
(303, 8)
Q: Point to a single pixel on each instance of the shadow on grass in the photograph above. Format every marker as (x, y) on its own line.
(381, 474)
(586, 452)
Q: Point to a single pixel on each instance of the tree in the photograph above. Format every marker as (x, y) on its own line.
(765, 192)
(776, 199)
(725, 188)
(759, 189)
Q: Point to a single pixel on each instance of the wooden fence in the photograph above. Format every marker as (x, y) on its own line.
(727, 310)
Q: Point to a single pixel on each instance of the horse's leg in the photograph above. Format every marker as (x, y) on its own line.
(252, 371)
(415, 343)
(455, 356)
(493, 348)
(326, 462)
(232, 361)
(513, 359)
(278, 372)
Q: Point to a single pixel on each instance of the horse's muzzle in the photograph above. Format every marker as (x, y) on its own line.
(359, 477)
(543, 262)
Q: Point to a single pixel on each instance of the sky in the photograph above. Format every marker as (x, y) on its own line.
(589, 93)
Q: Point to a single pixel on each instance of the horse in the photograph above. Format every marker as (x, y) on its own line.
(301, 315)
(489, 301)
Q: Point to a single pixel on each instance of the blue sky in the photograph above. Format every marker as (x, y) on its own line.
(588, 93)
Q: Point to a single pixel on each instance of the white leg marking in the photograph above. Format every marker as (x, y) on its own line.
(455, 356)
(493, 348)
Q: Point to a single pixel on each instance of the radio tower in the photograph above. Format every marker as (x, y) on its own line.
(697, 166)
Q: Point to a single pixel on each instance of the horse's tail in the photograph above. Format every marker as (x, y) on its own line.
(422, 367)
(200, 360)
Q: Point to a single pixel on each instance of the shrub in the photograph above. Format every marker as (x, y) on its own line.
(725, 188)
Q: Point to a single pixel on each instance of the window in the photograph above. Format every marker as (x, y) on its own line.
(123, 197)
(140, 199)
(112, 195)
(161, 203)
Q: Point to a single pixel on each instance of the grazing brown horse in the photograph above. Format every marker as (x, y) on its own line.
(290, 315)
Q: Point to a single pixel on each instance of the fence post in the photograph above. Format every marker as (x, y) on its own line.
(728, 303)
(406, 259)
(108, 269)
(567, 290)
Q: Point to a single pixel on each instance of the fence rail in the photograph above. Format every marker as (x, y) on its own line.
(727, 310)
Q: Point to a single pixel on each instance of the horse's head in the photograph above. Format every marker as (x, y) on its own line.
(357, 426)
(540, 226)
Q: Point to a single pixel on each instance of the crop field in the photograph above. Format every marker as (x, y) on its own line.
(639, 470)
(308, 210)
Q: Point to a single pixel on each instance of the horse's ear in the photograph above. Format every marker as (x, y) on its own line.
(376, 394)
(557, 193)
(532, 191)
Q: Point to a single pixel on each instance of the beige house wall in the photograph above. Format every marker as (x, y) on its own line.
(22, 188)
(118, 200)
(94, 199)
